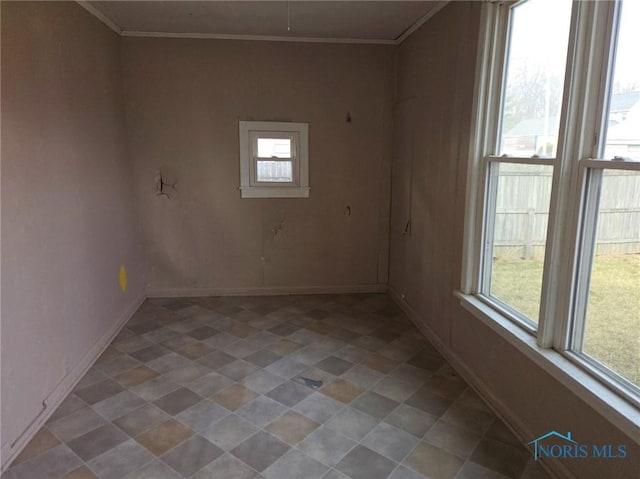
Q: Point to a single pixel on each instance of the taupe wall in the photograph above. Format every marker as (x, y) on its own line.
(184, 99)
(431, 134)
(68, 220)
(69, 212)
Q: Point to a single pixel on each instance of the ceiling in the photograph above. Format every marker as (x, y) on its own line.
(366, 21)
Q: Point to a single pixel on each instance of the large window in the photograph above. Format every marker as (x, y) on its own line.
(520, 170)
(607, 314)
(554, 241)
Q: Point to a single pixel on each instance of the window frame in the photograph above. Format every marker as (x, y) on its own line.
(489, 214)
(591, 171)
(490, 84)
(294, 138)
(249, 134)
(582, 123)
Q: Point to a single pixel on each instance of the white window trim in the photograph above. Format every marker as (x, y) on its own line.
(583, 384)
(585, 53)
(249, 131)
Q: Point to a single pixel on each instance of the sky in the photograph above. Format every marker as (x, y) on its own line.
(627, 68)
(539, 42)
(539, 39)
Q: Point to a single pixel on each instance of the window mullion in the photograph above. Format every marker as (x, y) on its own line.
(534, 160)
(553, 282)
(275, 158)
(576, 140)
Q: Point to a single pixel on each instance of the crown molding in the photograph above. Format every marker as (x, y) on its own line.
(265, 38)
(407, 33)
(100, 16)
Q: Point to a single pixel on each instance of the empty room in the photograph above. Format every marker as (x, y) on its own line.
(320, 239)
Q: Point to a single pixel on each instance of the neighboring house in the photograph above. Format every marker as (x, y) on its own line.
(532, 136)
(623, 137)
(535, 136)
(621, 104)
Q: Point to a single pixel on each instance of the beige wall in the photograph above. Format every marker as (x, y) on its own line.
(431, 133)
(184, 99)
(68, 220)
(69, 211)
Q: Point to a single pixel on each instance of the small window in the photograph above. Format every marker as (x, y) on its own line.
(274, 159)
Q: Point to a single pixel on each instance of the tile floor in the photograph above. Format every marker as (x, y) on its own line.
(211, 388)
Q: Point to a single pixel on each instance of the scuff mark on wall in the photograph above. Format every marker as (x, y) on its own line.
(184, 101)
(276, 229)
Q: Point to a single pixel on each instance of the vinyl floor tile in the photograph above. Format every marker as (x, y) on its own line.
(210, 388)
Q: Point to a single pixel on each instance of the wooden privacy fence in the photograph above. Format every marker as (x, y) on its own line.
(522, 212)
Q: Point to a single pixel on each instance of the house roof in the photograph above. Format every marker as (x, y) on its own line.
(533, 127)
(624, 101)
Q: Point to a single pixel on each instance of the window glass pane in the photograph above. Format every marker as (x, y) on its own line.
(612, 327)
(275, 171)
(274, 147)
(534, 78)
(623, 118)
(519, 235)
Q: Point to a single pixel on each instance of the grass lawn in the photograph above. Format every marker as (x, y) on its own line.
(612, 333)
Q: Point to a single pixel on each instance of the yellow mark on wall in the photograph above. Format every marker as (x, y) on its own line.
(123, 278)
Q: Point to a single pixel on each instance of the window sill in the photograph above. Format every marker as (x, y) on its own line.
(613, 407)
(274, 192)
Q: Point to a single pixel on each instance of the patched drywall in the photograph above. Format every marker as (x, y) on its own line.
(184, 99)
(68, 222)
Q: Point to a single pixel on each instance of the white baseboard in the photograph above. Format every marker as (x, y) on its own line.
(520, 429)
(11, 449)
(264, 291)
